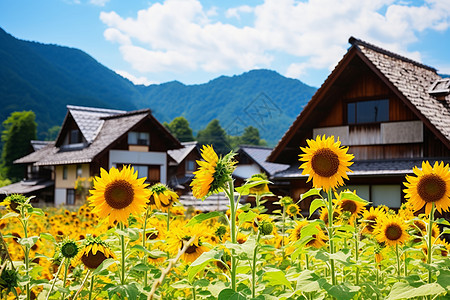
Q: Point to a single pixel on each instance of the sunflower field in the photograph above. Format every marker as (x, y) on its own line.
(134, 241)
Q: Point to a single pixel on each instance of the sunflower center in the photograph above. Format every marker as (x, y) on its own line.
(431, 188)
(119, 194)
(69, 250)
(371, 223)
(92, 261)
(349, 205)
(325, 162)
(393, 232)
(311, 242)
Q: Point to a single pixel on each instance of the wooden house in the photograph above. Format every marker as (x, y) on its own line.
(94, 138)
(392, 113)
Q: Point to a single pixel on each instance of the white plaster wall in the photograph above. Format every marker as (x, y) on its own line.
(246, 171)
(60, 197)
(140, 158)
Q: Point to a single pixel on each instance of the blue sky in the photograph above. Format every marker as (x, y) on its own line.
(194, 41)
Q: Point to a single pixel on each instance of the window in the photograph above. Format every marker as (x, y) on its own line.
(70, 197)
(79, 171)
(190, 165)
(64, 173)
(75, 136)
(373, 111)
(138, 138)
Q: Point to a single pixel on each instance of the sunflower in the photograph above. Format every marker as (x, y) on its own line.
(161, 197)
(94, 252)
(318, 239)
(69, 249)
(262, 187)
(370, 218)
(324, 214)
(118, 194)
(14, 202)
(432, 185)
(391, 229)
(212, 174)
(349, 208)
(326, 162)
(293, 210)
(178, 235)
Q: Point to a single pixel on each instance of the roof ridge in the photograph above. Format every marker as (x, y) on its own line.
(356, 42)
(128, 113)
(94, 109)
(255, 146)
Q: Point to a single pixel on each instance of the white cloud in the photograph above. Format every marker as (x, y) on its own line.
(181, 35)
(99, 2)
(235, 12)
(136, 80)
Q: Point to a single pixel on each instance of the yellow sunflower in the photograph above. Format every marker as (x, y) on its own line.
(432, 185)
(260, 189)
(326, 162)
(293, 210)
(370, 218)
(391, 229)
(178, 235)
(348, 207)
(212, 174)
(94, 252)
(318, 239)
(118, 194)
(161, 197)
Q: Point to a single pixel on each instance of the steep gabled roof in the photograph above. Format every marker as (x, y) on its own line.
(408, 79)
(88, 119)
(113, 127)
(179, 154)
(259, 155)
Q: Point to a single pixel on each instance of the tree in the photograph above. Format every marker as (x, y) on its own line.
(214, 135)
(179, 127)
(250, 136)
(19, 129)
(52, 133)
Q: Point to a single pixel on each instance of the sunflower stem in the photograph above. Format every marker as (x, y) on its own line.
(283, 228)
(230, 194)
(82, 285)
(331, 235)
(55, 278)
(398, 261)
(429, 243)
(122, 245)
(66, 270)
(406, 265)
(26, 250)
(356, 251)
(91, 287)
(255, 253)
(144, 240)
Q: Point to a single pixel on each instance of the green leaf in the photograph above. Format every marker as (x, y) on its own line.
(276, 277)
(311, 192)
(202, 217)
(28, 242)
(140, 267)
(131, 233)
(229, 294)
(402, 290)
(342, 291)
(48, 237)
(104, 265)
(37, 211)
(351, 196)
(140, 248)
(181, 284)
(309, 282)
(246, 217)
(442, 221)
(202, 261)
(317, 203)
(443, 279)
(10, 215)
(245, 189)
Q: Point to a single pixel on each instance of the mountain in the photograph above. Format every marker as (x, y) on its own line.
(45, 78)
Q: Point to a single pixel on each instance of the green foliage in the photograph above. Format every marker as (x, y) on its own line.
(19, 130)
(214, 135)
(52, 133)
(250, 136)
(179, 127)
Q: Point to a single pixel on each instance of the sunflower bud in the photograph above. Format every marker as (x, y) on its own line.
(266, 228)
